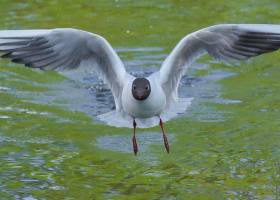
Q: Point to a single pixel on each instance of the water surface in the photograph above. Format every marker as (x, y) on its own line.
(226, 146)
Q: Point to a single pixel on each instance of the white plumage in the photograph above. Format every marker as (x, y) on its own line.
(64, 49)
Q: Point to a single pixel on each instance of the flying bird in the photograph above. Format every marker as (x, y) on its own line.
(140, 100)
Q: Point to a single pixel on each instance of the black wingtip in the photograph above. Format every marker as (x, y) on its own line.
(28, 65)
(6, 55)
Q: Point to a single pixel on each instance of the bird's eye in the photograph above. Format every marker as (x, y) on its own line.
(134, 87)
(147, 87)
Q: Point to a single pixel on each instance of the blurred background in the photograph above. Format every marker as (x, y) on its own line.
(226, 146)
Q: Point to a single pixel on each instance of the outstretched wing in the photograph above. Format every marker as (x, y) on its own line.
(64, 49)
(223, 42)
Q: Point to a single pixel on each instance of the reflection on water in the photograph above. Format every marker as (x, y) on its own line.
(86, 93)
(123, 143)
(145, 140)
(226, 146)
(16, 165)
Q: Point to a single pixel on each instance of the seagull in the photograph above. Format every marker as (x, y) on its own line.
(144, 98)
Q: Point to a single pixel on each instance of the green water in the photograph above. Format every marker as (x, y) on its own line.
(225, 147)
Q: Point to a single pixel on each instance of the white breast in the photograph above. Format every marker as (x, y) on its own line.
(149, 107)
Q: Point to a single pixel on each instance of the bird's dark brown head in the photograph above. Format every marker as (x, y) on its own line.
(141, 89)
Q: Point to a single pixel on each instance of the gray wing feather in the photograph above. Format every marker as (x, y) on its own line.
(65, 49)
(223, 42)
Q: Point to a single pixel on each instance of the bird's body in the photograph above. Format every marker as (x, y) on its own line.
(144, 99)
(154, 105)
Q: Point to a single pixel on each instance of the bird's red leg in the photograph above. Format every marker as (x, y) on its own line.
(135, 146)
(164, 136)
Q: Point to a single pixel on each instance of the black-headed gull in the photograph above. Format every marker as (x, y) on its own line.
(140, 100)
